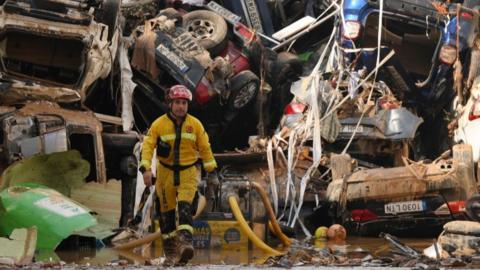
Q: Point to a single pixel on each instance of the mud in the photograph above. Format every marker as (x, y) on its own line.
(349, 253)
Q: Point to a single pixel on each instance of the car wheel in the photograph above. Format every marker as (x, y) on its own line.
(472, 207)
(244, 88)
(109, 15)
(287, 67)
(208, 28)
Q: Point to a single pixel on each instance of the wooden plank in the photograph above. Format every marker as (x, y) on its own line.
(109, 119)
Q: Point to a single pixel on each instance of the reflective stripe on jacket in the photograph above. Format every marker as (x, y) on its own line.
(190, 141)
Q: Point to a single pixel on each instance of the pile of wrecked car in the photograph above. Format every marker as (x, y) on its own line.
(360, 113)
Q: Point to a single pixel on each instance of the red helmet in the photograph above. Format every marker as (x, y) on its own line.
(179, 92)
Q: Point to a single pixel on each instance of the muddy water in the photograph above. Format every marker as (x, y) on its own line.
(353, 247)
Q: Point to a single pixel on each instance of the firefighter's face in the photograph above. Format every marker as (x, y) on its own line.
(179, 107)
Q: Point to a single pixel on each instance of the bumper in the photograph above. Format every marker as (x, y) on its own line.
(401, 226)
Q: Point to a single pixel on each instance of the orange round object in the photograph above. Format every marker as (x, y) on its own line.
(337, 232)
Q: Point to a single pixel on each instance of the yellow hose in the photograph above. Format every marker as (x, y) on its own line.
(273, 221)
(246, 229)
(202, 202)
(139, 242)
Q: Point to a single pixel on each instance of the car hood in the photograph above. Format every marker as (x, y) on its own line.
(14, 91)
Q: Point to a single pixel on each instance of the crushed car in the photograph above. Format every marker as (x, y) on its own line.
(179, 58)
(73, 48)
(47, 84)
(376, 131)
(43, 127)
(434, 59)
(193, 49)
(416, 199)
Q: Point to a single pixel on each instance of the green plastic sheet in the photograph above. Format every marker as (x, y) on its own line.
(55, 216)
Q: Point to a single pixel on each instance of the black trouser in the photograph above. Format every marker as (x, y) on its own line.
(168, 219)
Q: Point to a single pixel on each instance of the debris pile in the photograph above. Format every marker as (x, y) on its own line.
(357, 116)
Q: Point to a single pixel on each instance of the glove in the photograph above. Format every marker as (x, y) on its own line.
(212, 179)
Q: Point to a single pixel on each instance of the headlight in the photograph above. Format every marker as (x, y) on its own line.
(351, 29)
(448, 54)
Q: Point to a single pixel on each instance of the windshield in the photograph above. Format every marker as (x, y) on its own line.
(414, 44)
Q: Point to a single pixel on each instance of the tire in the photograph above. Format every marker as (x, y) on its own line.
(109, 15)
(287, 67)
(472, 207)
(208, 28)
(244, 88)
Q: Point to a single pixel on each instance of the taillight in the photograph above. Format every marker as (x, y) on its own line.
(448, 54)
(351, 29)
(454, 207)
(475, 112)
(244, 33)
(294, 108)
(363, 215)
(466, 15)
(202, 94)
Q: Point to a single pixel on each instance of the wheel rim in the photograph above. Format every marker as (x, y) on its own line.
(245, 95)
(472, 206)
(201, 28)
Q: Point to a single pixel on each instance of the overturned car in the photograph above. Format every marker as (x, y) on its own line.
(193, 49)
(55, 50)
(435, 57)
(416, 199)
(44, 128)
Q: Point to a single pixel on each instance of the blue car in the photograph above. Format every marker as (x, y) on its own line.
(428, 41)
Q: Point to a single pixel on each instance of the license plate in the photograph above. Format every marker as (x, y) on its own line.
(172, 57)
(254, 16)
(351, 128)
(404, 207)
(225, 13)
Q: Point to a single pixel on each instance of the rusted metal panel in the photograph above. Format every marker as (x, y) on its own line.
(448, 176)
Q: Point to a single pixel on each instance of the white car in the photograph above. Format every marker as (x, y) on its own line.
(55, 50)
(468, 130)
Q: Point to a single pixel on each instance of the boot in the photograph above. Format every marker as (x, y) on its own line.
(185, 246)
(170, 247)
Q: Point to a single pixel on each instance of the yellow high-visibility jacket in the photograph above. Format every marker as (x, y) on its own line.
(188, 143)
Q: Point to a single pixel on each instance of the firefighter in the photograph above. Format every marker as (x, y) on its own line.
(179, 139)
